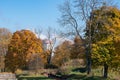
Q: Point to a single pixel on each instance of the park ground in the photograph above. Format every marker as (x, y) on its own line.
(66, 74)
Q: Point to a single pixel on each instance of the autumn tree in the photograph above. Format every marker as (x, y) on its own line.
(5, 37)
(62, 53)
(23, 45)
(77, 49)
(74, 16)
(105, 32)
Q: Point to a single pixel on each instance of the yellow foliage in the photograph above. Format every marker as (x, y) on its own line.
(105, 30)
(18, 71)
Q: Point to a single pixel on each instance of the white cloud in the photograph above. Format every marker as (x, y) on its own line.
(42, 36)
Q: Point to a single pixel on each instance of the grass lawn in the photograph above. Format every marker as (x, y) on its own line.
(79, 74)
(75, 74)
(34, 78)
(83, 76)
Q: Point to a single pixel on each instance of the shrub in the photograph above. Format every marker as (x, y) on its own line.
(64, 70)
(18, 71)
(50, 66)
(75, 63)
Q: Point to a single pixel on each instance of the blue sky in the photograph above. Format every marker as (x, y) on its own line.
(29, 14)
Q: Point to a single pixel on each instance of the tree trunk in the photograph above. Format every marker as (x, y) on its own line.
(48, 61)
(89, 66)
(88, 57)
(2, 70)
(105, 74)
(49, 58)
(89, 50)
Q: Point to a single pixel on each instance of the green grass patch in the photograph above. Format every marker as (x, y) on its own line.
(97, 74)
(34, 78)
(70, 73)
(83, 76)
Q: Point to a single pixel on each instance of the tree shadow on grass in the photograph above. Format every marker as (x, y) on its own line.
(75, 76)
(84, 77)
(94, 78)
(82, 70)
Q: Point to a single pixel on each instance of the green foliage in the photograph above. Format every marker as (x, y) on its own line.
(105, 30)
(103, 52)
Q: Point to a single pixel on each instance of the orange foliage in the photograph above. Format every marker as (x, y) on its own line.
(77, 50)
(23, 45)
(62, 53)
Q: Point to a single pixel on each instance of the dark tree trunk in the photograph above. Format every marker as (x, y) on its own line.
(89, 66)
(105, 74)
(88, 57)
(89, 50)
(49, 58)
(2, 70)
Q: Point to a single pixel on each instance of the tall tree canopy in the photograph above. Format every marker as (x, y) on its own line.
(23, 45)
(105, 35)
(5, 37)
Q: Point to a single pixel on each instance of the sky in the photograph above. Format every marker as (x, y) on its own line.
(29, 14)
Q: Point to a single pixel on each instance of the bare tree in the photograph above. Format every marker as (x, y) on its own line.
(69, 19)
(51, 35)
(74, 16)
(50, 43)
(38, 32)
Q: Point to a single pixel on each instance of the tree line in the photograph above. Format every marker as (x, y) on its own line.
(25, 50)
